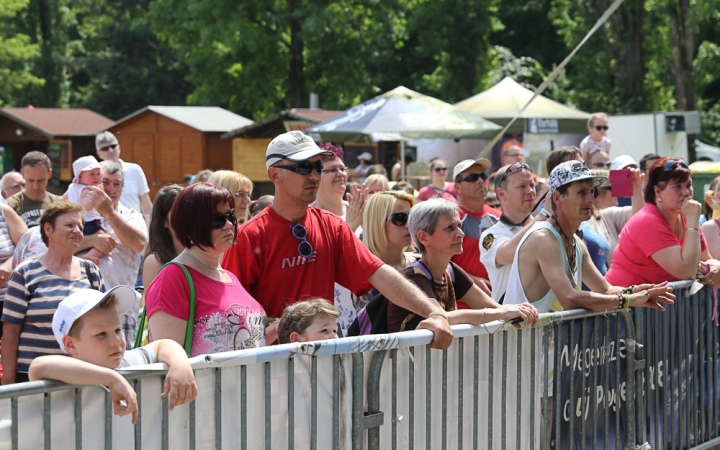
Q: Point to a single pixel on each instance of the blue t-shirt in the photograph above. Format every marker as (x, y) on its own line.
(598, 247)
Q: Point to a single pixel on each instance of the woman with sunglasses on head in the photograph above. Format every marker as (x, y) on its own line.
(663, 241)
(439, 186)
(226, 316)
(239, 186)
(435, 227)
(333, 183)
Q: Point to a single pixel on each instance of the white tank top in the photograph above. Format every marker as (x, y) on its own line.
(515, 293)
(73, 192)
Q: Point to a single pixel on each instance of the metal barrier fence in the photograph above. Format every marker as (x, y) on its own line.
(679, 384)
(571, 382)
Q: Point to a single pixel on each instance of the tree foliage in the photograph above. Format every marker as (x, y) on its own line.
(16, 53)
(255, 58)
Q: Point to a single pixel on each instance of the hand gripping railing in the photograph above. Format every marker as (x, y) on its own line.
(571, 382)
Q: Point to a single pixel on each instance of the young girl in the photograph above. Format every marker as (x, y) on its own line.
(596, 140)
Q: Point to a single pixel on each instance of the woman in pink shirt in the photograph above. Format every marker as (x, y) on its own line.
(663, 241)
(226, 316)
(439, 187)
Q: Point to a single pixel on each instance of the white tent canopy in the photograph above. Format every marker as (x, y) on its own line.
(503, 101)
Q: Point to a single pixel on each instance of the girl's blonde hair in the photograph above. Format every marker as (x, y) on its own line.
(372, 179)
(377, 212)
(299, 316)
(232, 181)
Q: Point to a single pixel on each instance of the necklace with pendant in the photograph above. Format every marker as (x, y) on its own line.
(203, 264)
(570, 246)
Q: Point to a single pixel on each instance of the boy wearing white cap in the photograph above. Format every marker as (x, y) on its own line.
(87, 173)
(87, 326)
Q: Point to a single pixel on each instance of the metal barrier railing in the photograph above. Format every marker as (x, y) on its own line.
(679, 384)
(577, 380)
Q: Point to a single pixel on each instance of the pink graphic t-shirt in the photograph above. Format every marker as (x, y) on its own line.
(226, 317)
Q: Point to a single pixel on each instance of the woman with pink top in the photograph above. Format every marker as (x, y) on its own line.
(226, 316)
(663, 241)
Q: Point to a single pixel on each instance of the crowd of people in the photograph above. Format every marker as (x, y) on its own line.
(323, 258)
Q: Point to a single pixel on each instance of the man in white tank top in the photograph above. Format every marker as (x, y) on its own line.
(551, 263)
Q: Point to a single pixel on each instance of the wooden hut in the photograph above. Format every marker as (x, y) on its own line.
(63, 134)
(171, 141)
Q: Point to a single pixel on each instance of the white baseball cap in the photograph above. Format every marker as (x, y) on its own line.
(365, 156)
(293, 145)
(462, 166)
(623, 161)
(83, 164)
(82, 302)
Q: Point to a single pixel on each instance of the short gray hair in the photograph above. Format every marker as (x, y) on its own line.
(4, 179)
(424, 216)
(104, 137)
(112, 168)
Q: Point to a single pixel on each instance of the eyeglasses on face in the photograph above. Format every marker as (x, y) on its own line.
(602, 127)
(242, 194)
(672, 164)
(399, 219)
(512, 168)
(220, 219)
(304, 167)
(335, 171)
(304, 248)
(602, 164)
(15, 186)
(108, 147)
(440, 169)
(472, 178)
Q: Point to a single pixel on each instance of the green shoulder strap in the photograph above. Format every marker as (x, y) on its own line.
(191, 318)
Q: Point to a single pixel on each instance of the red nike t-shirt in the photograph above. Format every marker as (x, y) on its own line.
(266, 260)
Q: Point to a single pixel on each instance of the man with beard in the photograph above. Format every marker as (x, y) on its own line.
(469, 177)
(515, 189)
(551, 262)
(292, 252)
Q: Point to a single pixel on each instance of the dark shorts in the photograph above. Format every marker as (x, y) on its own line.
(92, 227)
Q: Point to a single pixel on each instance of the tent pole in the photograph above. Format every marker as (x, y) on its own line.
(402, 160)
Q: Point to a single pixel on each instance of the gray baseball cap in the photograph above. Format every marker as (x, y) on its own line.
(293, 145)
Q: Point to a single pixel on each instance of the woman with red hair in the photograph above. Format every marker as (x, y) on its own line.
(663, 241)
(226, 317)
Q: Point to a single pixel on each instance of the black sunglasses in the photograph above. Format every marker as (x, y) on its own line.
(219, 219)
(602, 164)
(304, 167)
(108, 147)
(671, 164)
(472, 178)
(399, 218)
(440, 169)
(304, 248)
(602, 127)
(512, 168)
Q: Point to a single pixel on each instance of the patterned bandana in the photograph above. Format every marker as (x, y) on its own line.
(569, 172)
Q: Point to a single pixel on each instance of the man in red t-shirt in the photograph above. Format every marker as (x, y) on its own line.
(291, 251)
(469, 176)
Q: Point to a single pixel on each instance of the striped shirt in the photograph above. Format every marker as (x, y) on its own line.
(31, 299)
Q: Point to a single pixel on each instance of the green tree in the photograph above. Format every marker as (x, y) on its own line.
(123, 67)
(16, 53)
(51, 25)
